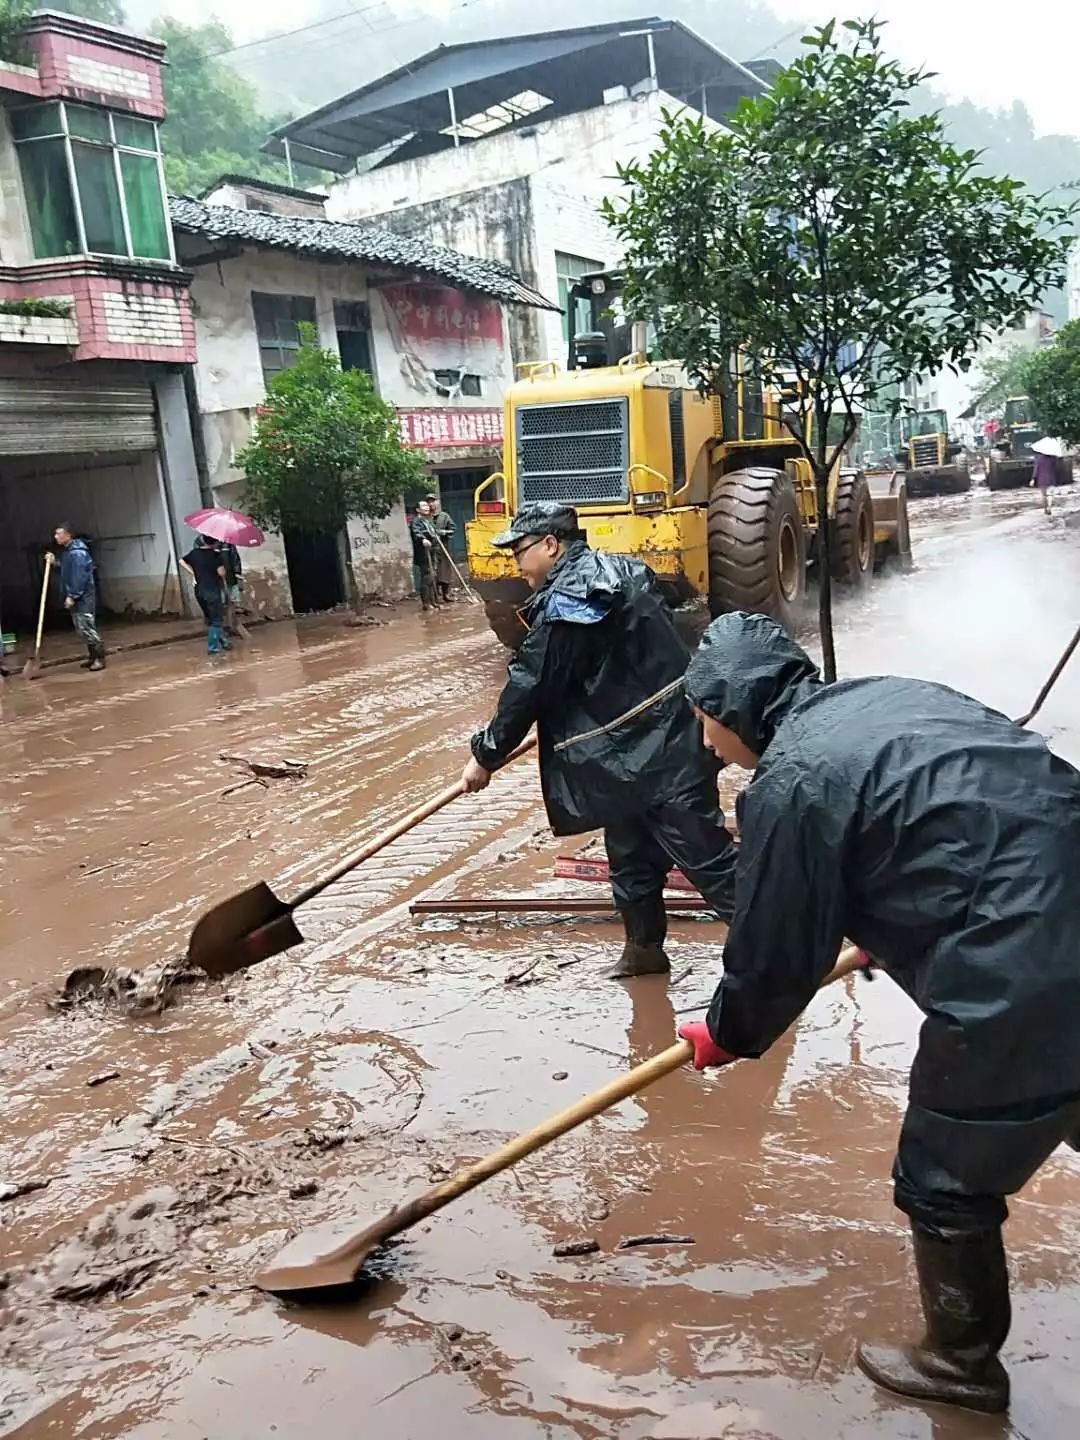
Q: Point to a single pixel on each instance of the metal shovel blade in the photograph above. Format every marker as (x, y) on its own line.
(241, 931)
(319, 1263)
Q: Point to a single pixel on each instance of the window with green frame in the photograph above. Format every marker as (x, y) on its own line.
(93, 182)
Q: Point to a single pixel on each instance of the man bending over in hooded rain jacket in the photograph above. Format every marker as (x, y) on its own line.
(600, 674)
(945, 841)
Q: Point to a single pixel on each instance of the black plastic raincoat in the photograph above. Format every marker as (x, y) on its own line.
(600, 675)
(940, 837)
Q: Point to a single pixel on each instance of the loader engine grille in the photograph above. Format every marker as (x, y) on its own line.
(578, 453)
(925, 450)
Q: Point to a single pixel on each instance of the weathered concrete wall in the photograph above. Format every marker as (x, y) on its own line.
(518, 197)
(230, 386)
(382, 555)
(498, 223)
(115, 501)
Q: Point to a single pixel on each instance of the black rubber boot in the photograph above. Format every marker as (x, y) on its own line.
(646, 931)
(97, 657)
(965, 1298)
(85, 664)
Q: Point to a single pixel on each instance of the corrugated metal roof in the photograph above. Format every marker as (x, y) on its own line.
(308, 235)
(571, 68)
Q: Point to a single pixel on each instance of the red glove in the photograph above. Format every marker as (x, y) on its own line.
(705, 1051)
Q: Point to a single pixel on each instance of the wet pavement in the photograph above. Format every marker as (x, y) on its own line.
(336, 1080)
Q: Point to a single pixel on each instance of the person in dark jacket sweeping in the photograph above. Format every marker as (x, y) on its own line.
(600, 674)
(945, 841)
(78, 587)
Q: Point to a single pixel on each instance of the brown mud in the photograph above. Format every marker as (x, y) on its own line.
(335, 1081)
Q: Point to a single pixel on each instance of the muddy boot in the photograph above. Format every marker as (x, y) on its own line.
(214, 637)
(445, 594)
(97, 657)
(85, 664)
(965, 1299)
(646, 929)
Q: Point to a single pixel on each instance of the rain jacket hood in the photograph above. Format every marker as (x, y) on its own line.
(600, 674)
(748, 674)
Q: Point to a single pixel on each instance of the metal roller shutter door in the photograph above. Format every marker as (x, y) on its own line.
(58, 417)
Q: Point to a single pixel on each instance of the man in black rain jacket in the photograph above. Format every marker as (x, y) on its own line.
(600, 675)
(945, 841)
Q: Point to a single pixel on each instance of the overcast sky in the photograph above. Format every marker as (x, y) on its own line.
(990, 51)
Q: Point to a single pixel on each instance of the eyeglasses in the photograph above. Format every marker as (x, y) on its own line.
(519, 550)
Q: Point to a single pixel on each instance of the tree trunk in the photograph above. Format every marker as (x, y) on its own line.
(825, 625)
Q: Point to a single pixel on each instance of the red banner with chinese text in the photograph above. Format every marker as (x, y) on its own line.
(434, 429)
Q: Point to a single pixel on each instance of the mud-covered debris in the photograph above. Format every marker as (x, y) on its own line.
(575, 1247)
(524, 976)
(323, 1140)
(15, 1189)
(460, 1361)
(103, 1078)
(5, 1281)
(561, 1075)
(302, 1189)
(453, 1333)
(631, 1242)
(362, 622)
(151, 989)
(598, 1210)
(270, 769)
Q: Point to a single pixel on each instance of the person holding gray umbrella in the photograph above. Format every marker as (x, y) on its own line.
(1048, 453)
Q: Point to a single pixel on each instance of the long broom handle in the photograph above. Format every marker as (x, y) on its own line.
(49, 558)
(639, 1078)
(395, 831)
(464, 583)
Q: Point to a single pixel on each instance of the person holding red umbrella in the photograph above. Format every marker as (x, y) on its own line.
(215, 564)
(206, 564)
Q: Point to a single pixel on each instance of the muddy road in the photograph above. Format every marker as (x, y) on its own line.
(336, 1080)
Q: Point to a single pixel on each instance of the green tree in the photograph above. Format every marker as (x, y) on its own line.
(325, 449)
(838, 236)
(1053, 382)
(213, 123)
(1002, 372)
(13, 48)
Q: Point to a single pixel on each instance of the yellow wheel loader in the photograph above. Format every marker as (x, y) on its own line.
(935, 464)
(711, 493)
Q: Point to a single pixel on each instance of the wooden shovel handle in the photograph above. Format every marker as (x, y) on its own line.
(639, 1078)
(49, 559)
(395, 831)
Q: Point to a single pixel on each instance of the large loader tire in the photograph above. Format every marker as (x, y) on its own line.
(757, 546)
(853, 531)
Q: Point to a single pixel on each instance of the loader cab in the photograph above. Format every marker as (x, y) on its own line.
(924, 434)
(609, 334)
(1019, 432)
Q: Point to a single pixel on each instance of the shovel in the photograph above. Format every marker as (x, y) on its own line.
(32, 668)
(301, 1271)
(257, 924)
(470, 594)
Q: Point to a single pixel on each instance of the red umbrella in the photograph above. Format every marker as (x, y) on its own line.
(228, 525)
